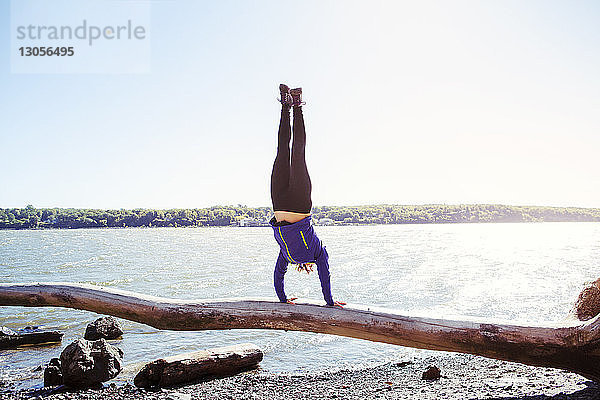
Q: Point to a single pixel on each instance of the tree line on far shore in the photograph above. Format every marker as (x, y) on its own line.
(69, 218)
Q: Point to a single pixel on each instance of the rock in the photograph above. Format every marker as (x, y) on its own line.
(402, 364)
(7, 331)
(431, 374)
(103, 328)
(588, 303)
(30, 329)
(86, 363)
(52, 373)
(179, 396)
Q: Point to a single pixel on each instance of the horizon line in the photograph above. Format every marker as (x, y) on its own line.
(239, 205)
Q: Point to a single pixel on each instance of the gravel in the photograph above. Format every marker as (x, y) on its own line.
(462, 377)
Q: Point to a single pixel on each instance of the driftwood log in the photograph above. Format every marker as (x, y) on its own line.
(574, 347)
(189, 367)
(21, 339)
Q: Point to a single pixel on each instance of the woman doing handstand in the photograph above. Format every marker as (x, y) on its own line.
(291, 196)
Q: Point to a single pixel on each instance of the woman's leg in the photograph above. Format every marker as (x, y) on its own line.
(280, 176)
(300, 185)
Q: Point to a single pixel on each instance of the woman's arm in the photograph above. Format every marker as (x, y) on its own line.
(280, 270)
(322, 262)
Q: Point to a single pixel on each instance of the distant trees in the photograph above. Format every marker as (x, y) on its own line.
(32, 218)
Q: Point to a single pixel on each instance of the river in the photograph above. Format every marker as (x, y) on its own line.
(524, 273)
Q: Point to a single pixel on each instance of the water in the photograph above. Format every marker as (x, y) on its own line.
(524, 273)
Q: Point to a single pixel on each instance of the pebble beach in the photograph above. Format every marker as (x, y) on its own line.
(462, 377)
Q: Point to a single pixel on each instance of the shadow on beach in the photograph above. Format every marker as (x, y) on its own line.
(592, 391)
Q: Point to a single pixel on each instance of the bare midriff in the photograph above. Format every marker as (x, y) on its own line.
(289, 216)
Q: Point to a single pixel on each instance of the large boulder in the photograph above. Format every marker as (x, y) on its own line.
(588, 303)
(87, 363)
(103, 328)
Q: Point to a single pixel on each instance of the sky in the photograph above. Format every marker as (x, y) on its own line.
(407, 103)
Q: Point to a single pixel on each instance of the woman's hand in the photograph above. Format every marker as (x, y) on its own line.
(307, 267)
(291, 300)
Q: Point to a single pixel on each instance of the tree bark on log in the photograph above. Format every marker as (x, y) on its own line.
(574, 347)
(190, 367)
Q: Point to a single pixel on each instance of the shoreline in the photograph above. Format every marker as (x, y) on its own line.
(462, 377)
(341, 224)
(240, 215)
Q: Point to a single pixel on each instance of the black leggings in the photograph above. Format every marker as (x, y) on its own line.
(290, 182)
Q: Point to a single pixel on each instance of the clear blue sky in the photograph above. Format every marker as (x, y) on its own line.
(408, 102)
